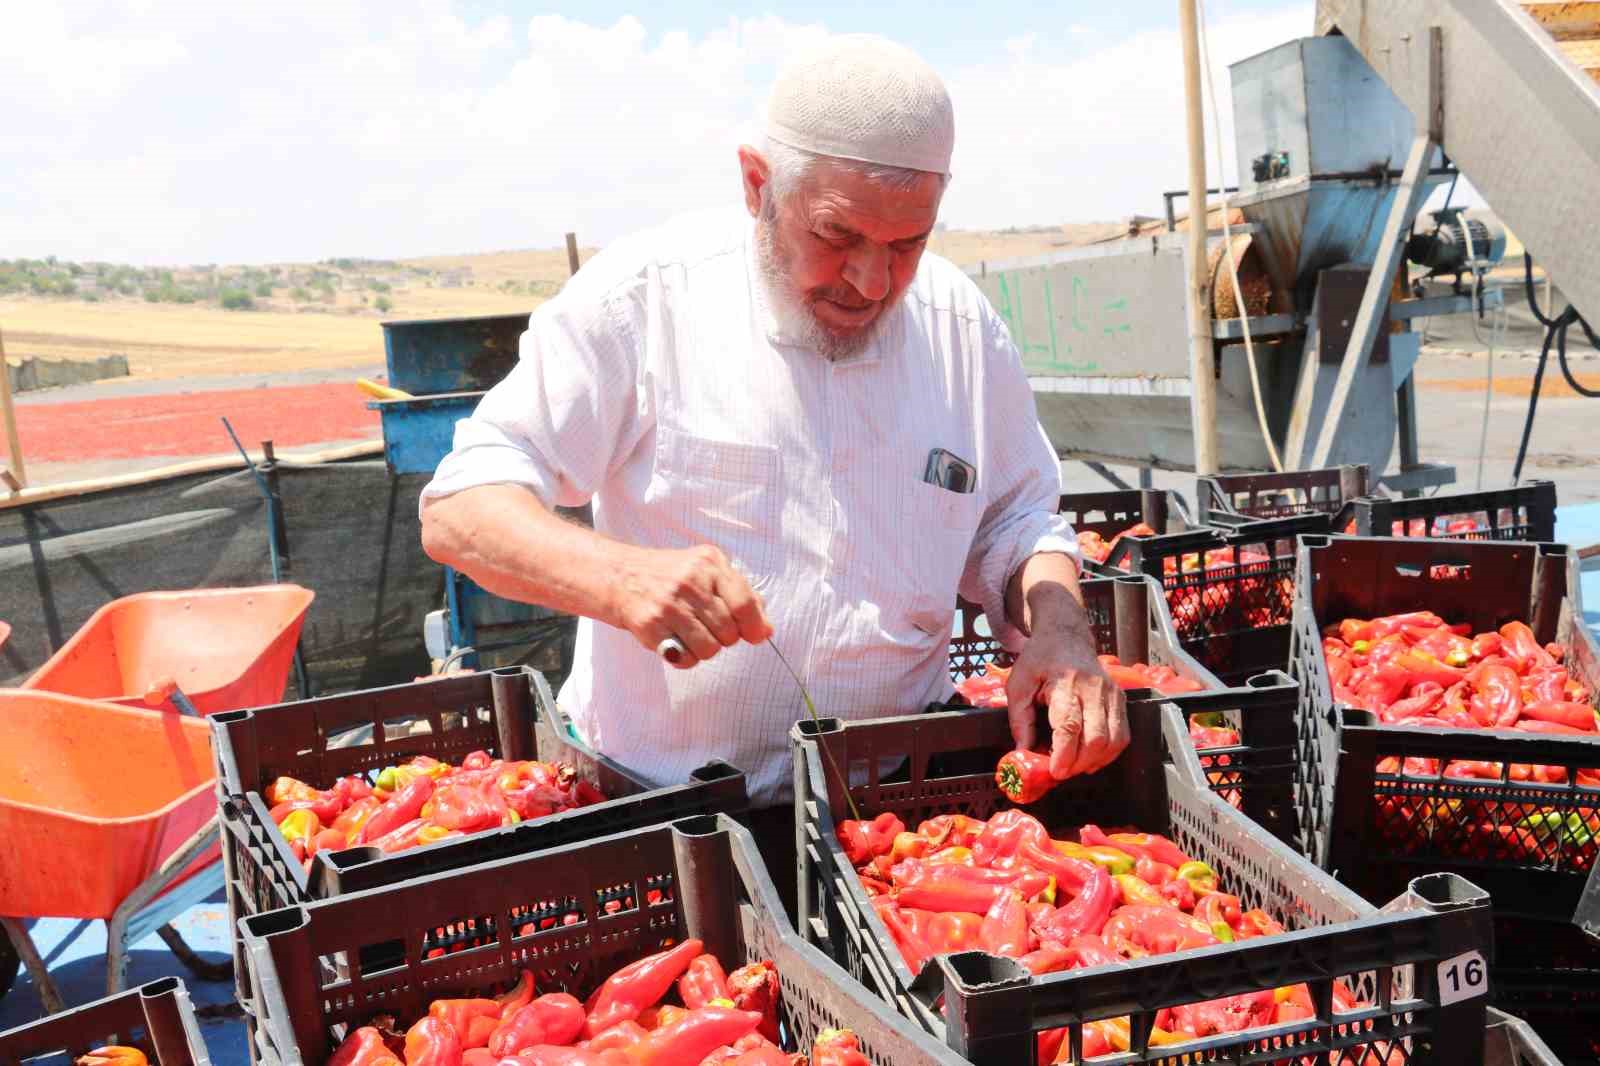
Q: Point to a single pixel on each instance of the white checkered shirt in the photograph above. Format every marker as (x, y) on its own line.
(658, 387)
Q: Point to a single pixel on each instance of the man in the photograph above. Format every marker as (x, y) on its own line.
(749, 400)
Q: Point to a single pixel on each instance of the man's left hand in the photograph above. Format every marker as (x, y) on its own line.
(1088, 714)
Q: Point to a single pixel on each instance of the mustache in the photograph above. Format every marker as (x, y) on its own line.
(850, 299)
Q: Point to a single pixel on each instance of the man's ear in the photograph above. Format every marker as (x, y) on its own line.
(754, 172)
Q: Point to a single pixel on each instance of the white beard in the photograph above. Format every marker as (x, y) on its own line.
(795, 319)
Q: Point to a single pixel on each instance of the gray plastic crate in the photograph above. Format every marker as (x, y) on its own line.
(992, 1008)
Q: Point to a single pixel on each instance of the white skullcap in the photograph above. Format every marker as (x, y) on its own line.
(865, 98)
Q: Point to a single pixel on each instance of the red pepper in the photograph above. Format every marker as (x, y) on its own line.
(704, 981)
(755, 988)
(951, 830)
(764, 1055)
(949, 932)
(1005, 926)
(520, 995)
(1501, 690)
(619, 1037)
(1534, 725)
(1089, 950)
(553, 1018)
(913, 946)
(1086, 913)
(1575, 715)
(468, 806)
(404, 807)
(1048, 957)
(432, 1042)
(363, 1047)
(1426, 698)
(1158, 929)
(401, 838)
(1395, 623)
(1138, 845)
(1521, 646)
(1024, 776)
(554, 1055)
(1179, 892)
(638, 985)
(694, 1036)
(837, 1047)
(1221, 912)
(473, 1020)
(1231, 1014)
(1004, 835)
(864, 841)
(353, 817)
(1071, 874)
(952, 893)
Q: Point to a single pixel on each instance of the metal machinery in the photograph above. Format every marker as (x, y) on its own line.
(1339, 140)
(447, 364)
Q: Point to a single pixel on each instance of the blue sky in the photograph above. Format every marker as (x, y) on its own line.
(174, 131)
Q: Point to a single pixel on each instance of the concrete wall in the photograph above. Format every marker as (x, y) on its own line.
(50, 373)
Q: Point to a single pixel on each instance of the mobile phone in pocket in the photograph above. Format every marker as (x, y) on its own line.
(950, 471)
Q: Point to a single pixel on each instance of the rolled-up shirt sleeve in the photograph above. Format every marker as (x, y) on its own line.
(1024, 476)
(567, 413)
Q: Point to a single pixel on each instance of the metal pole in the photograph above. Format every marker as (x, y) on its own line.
(18, 472)
(572, 253)
(1202, 356)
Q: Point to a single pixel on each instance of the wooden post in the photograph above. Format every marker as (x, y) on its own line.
(572, 253)
(17, 476)
(1202, 354)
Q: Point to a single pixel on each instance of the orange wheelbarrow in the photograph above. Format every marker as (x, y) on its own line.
(104, 810)
(199, 651)
(226, 649)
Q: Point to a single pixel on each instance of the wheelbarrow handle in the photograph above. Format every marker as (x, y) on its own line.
(163, 689)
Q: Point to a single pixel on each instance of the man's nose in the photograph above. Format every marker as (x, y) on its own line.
(867, 270)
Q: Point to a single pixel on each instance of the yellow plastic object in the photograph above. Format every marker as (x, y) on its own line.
(381, 392)
(227, 649)
(93, 798)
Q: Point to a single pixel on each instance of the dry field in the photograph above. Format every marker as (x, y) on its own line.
(340, 330)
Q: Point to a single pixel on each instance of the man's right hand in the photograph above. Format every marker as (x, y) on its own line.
(693, 594)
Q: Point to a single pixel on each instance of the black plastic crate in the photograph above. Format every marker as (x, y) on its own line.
(1548, 974)
(1376, 830)
(1527, 512)
(508, 712)
(1231, 499)
(157, 1018)
(1109, 513)
(1233, 615)
(992, 1008)
(1127, 616)
(697, 877)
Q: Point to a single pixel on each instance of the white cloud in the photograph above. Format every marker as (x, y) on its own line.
(178, 134)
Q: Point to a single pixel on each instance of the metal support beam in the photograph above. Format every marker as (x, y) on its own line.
(1409, 197)
(1405, 409)
(1105, 472)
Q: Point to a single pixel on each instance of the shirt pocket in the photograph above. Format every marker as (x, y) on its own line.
(940, 528)
(723, 493)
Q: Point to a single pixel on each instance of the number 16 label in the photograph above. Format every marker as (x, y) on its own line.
(1463, 976)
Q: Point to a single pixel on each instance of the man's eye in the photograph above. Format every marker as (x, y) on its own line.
(911, 245)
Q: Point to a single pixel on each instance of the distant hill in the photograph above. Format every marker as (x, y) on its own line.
(218, 320)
